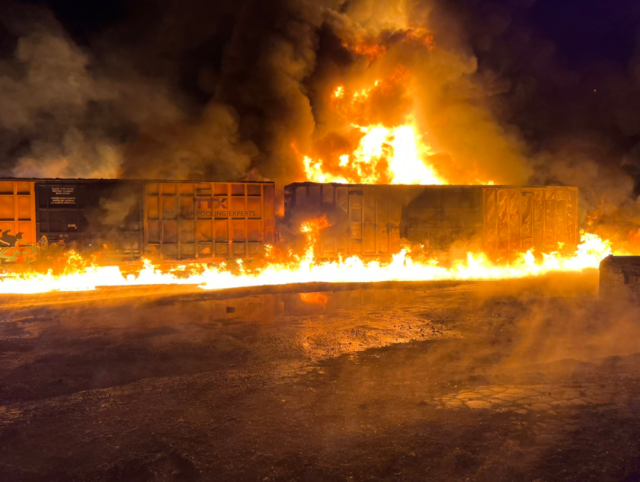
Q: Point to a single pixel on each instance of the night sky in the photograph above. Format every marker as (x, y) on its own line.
(583, 31)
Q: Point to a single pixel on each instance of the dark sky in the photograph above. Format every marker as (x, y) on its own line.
(588, 30)
(582, 29)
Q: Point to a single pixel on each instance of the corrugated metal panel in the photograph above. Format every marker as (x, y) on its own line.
(373, 219)
(438, 216)
(172, 218)
(365, 219)
(538, 218)
(573, 236)
(530, 217)
(186, 220)
(526, 229)
(491, 219)
(17, 221)
(549, 234)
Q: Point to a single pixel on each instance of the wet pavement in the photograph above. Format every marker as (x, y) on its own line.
(532, 380)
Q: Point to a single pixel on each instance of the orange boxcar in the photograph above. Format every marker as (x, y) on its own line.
(171, 219)
(18, 235)
(185, 220)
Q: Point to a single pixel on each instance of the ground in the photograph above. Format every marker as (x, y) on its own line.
(531, 380)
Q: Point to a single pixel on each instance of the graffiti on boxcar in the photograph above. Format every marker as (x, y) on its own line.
(22, 253)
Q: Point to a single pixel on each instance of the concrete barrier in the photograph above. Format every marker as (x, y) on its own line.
(620, 278)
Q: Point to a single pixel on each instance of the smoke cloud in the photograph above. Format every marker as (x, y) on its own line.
(72, 111)
(46, 91)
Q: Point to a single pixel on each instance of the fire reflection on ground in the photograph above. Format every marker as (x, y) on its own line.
(473, 380)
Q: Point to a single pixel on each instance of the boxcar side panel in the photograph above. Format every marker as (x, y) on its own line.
(508, 219)
(539, 218)
(365, 219)
(187, 220)
(18, 235)
(491, 220)
(438, 216)
(91, 213)
(573, 231)
(372, 220)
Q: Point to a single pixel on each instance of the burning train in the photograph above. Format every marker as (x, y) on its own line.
(373, 220)
(172, 220)
(189, 220)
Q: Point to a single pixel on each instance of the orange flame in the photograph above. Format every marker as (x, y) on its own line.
(634, 238)
(291, 268)
(382, 153)
(367, 48)
(395, 154)
(338, 93)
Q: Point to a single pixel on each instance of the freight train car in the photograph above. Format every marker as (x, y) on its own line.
(90, 214)
(18, 235)
(170, 219)
(184, 220)
(371, 220)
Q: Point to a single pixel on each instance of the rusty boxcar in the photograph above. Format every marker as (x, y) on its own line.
(171, 219)
(371, 220)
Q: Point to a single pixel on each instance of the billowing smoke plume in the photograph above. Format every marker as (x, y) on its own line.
(46, 93)
(68, 110)
(573, 105)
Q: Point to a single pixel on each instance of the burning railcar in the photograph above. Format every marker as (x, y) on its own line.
(172, 219)
(372, 220)
(182, 220)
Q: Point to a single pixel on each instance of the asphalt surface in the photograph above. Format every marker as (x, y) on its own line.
(531, 380)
